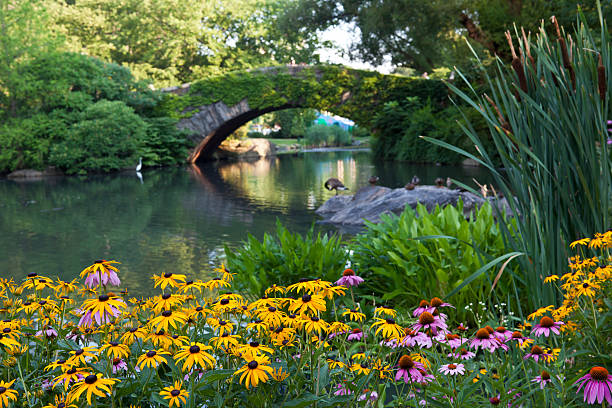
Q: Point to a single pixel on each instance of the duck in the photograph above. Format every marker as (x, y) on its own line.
(373, 180)
(409, 186)
(439, 182)
(449, 182)
(334, 184)
(415, 180)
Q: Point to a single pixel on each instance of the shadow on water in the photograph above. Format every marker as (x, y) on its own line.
(177, 219)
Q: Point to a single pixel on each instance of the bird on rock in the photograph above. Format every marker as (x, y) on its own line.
(415, 180)
(439, 182)
(409, 186)
(334, 184)
(373, 180)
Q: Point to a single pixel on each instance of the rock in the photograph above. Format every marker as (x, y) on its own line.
(31, 174)
(249, 149)
(370, 202)
(470, 162)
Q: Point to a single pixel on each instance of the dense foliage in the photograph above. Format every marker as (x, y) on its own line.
(285, 256)
(80, 114)
(323, 135)
(418, 253)
(547, 114)
(311, 342)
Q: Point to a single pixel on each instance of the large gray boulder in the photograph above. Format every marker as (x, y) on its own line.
(246, 149)
(370, 202)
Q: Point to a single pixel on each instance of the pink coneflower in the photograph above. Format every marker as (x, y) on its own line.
(485, 340)
(49, 332)
(356, 334)
(542, 379)
(462, 354)
(546, 326)
(502, 333)
(495, 400)
(349, 279)
(537, 353)
(372, 397)
(452, 369)
(119, 365)
(431, 322)
(342, 390)
(438, 303)
(597, 385)
(518, 336)
(409, 370)
(424, 306)
(108, 277)
(416, 338)
(453, 340)
(198, 372)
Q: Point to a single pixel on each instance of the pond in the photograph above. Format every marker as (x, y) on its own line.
(177, 219)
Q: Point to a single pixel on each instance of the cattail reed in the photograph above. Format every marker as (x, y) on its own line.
(601, 79)
(504, 123)
(517, 65)
(564, 54)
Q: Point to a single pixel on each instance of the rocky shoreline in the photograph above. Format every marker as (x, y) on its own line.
(370, 202)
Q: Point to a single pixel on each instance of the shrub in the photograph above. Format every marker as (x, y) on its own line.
(285, 257)
(323, 135)
(107, 137)
(399, 266)
(547, 117)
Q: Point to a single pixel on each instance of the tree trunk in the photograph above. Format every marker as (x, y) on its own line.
(476, 34)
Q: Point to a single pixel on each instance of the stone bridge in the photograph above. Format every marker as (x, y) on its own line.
(213, 108)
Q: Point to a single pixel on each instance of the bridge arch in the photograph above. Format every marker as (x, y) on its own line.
(213, 108)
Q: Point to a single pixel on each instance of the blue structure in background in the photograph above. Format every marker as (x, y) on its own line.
(323, 118)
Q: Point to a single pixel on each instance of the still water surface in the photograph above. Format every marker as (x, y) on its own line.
(177, 219)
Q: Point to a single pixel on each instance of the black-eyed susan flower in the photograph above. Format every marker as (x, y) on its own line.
(216, 283)
(168, 279)
(7, 394)
(152, 358)
(389, 328)
(225, 341)
(314, 325)
(190, 286)
(195, 354)
(354, 315)
(382, 310)
(133, 334)
(308, 303)
(551, 278)
(167, 301)
(274, 289)
(101, 272)
(73, 374)
(256, 370)
(361, 368)
(167, 319)
(226, 275)
(334, 363)
(61, 364)
(272, 316)
(305, 285)
(60, 402)
(224, 326)
(115, 350)
(175, 394)
(65, 288)
(103, 309)
(587, 288)
(160, 339)
(82, 356)
(93, 384)
(258, 326)
(254, 348)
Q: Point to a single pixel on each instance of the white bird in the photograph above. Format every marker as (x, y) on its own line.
(139, 166)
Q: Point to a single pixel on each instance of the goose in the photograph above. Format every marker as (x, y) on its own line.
(334, 184)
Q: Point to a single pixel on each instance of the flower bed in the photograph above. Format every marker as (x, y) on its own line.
(310, 343)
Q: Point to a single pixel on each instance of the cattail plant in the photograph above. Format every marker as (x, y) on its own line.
(547, 115)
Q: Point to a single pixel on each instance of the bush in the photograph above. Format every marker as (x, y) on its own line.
(107, 137)
(399, 266)
(323, 135)
(285, 257)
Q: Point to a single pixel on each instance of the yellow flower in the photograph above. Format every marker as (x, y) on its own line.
(160, 339)
(195, 353)
(166, 302)
(223, 326)
(361, 368)
(175, 394)
(540, 312)
(152, 358)
(116, 350)
(305, 285)
(308, 303)
(82, 355)
(226, 341)
(389, 328)
(93, 384)
(168, 279)
(105, 307)
(216, 283)
(254, 348)
(256, 370)
(66, 288)
(583, 241)
(272, 316)
(168, 318)
(354, 315)
(60, 402)
(275, 289)
(278, 374)
(226, 275)
(70, 375)
(551, 278)
(331, 291)
(133, 334)
(314, 325)
(333, 363)
(385, 311)
(7, 393)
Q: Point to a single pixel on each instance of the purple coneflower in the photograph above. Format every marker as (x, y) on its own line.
(119, 365)
(453, 340)
(502, 333)
(416, 338)
(356, 334)
(372, 397)
(462, 354)
(49, 332)
(342, 390)
(542, 379)
(409, 370)
(424, 306)
(597, 385)
(108, 277)
(546, 326)
(452, 369)
(486, 340)
(431, 322)
(537, 353)
(349, 279)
